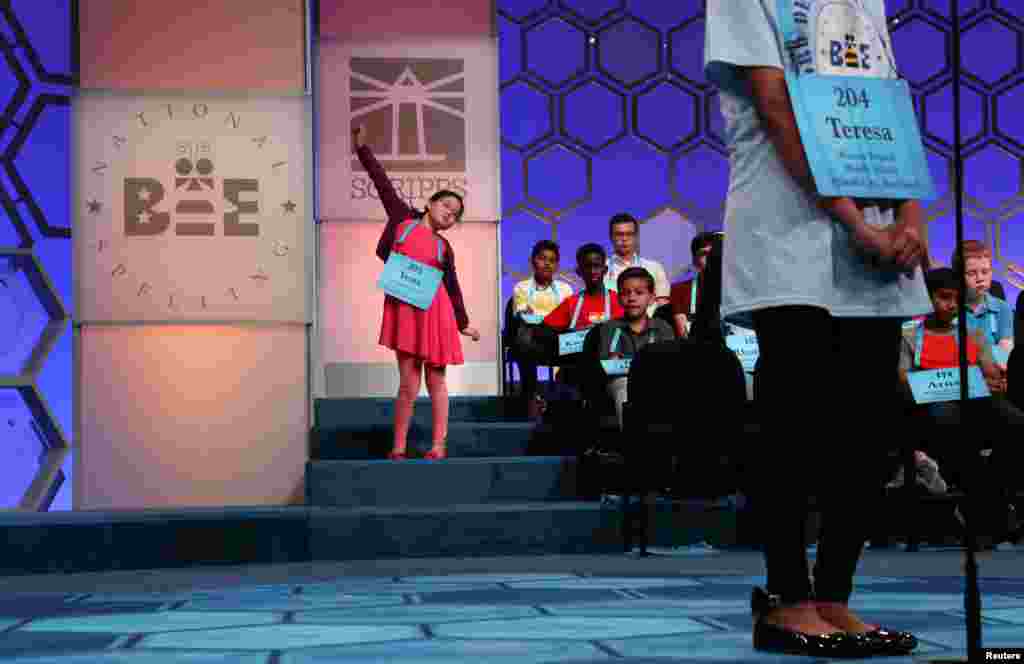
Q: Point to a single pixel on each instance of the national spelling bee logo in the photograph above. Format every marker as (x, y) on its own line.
(197, 200)
(414, 111)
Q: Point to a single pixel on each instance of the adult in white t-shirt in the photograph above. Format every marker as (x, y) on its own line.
(826, 283)
(624, 231)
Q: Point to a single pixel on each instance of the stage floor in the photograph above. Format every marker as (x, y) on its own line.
(691, 606)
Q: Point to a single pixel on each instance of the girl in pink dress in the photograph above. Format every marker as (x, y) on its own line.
(424, 341)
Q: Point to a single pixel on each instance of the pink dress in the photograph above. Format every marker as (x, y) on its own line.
(430, 335)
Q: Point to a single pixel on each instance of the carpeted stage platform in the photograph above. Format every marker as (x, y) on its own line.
(521, 610)
(488, 556)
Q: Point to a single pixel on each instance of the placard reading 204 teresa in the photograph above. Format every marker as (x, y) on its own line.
(861, 136)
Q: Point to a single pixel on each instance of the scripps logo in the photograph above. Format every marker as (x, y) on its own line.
(193, 195)
(414, 111)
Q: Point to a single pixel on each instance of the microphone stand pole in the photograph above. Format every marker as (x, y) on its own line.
(972, 597)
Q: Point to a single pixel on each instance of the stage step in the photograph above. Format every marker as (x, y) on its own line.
(70, 542)
(433, 483)
(499, 529)
(464, 530)
(372, 412)
(465, 439)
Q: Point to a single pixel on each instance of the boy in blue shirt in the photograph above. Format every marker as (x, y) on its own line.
(985, 312)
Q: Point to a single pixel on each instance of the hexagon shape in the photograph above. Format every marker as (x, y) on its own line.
(699, 177)
(918, 41)
(555, 51)
(666, 15)
(21, 451)
(594, 11)
(522, 10)
(28, 161)
(993, 177)
(34, 431)
(593, 114)
(1008, 115)
(570, 627)
(665, 236)
(629, 52)
(32, 447)
(528, 114)
(21, 267)
(686, 52)
(286, 636)
(666, 115)
(990, 50)
(558, 179)
(937, 114)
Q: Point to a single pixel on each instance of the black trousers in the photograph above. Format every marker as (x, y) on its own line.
(828, 399)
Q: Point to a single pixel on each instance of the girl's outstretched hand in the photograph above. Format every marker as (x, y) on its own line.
(471, 332)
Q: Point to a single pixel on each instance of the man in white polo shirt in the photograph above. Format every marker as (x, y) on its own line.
(624, 230)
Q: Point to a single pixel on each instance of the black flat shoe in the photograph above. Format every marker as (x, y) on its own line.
(888, 642)
(776, 639)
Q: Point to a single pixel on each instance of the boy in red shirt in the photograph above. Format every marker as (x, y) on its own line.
(599, 304)
(595, 304)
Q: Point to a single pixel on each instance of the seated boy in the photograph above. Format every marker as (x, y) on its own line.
(532, 300)
(684, 295)
(596, 304)
(985, 312)
(934, 345)
(623, 338)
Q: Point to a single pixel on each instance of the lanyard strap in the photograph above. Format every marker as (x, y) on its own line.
(796, 43)
(579, 307)
(693, 295)
(405, 234)
(533, 290)
(614, 348)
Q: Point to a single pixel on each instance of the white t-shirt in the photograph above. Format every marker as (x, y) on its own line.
(540, 300)
(780, 248)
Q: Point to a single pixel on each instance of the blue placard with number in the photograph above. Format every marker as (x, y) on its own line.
(617, 367)
(571, 342)
(409, 280)
(860, 133)
(938, 385)
(745, 347)
(861, 136)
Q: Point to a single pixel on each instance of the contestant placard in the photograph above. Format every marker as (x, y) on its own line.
(861, 136)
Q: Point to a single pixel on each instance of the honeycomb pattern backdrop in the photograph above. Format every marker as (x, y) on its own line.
(605, 108)
(38, 64)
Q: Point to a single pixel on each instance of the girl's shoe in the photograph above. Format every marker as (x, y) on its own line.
(438, 452)
(777, 639)
(397, 455)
